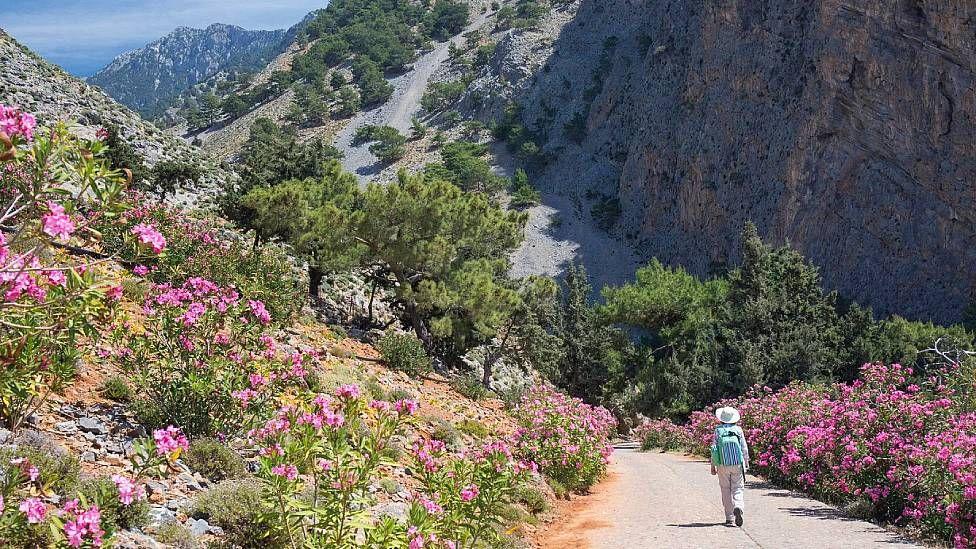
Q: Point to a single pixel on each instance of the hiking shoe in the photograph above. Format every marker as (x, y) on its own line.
(738, 516)
(729, 523)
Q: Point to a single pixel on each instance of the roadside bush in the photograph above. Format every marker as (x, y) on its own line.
(902, 440)
(464, 498)
(115, 515)
(117, 388)
(189, 358)
(532, 498)
(236, 506)
(214, 460)
(568, 439)
(52, 302)
(404, 352)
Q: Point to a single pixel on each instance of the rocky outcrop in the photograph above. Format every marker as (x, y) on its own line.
(149, 78)
(843, 127)
(34, 85)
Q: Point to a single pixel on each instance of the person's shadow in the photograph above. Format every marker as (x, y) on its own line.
(698, 525)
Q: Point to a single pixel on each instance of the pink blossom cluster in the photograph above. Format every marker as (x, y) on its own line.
(419, 540)
(567, 438)
(129, 491)
(150, 236)
(14, 122)
(904, 442)
(170, 440)
(81, 525)
(56, 223)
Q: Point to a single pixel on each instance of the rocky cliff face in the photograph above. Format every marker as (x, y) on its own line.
(148, 78)
(34, 85)
(843, 127)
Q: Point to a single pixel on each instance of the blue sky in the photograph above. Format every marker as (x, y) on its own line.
(83, 36)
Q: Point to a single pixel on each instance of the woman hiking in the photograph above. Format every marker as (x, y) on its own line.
(730, 461)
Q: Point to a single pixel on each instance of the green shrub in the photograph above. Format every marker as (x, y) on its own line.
(389, 486)
(214, 460)
(116, 388)
(105, 493)
(330, 380)
(400, 394)
(58, 470)
(177, 535)
(532, 498)
(606, 212)
(445, 432)
(470, 385)
(441, 95)
(473, 428)
(404, 352)
(375, 389)
(235, 506)
(523, 193)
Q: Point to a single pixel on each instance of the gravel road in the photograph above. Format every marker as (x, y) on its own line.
(397, 112)
(667, 500)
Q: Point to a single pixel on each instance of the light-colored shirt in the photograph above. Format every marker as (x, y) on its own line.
(742, 441)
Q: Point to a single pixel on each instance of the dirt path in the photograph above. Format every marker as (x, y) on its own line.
(398, 111)
(665, 500)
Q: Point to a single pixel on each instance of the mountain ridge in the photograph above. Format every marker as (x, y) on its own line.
(148, 78)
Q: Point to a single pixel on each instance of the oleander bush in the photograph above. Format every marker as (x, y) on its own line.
(901, 439)
(568, 439)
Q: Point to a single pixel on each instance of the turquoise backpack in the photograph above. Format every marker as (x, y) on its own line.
(726, 450)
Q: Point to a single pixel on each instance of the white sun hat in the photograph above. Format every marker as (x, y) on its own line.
(727, 415)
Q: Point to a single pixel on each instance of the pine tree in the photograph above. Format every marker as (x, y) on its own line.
(781, 325)
(591, 347)
(446, 250)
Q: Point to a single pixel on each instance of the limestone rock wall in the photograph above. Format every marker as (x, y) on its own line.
(843, 127)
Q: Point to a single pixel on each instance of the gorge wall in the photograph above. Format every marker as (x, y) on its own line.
(843, 127)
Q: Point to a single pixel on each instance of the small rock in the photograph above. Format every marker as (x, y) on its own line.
(191, 483)
(198, 527)
(175, 504)
(66, 427)
(155, 487)
(88, 456)
(5, 435)
(160, 515)
(92, 425)
(395, 510)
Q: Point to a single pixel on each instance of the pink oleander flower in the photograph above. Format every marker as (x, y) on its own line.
(140, 270)
(287, 471)
(79, 525)
(170, 440)
(193, 313)
(114, 293)
(347, 391)
(128, 491)
(35, 510)
(14, 122)
(148, 235)
(469, 493)
(101, 134)
(406, 407)
(259, 311)
(57, 223)
(56, 277)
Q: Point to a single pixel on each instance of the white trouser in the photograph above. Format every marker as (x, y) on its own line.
(733, 488)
